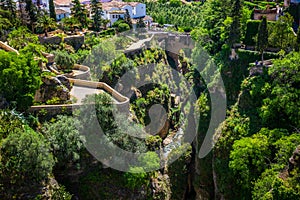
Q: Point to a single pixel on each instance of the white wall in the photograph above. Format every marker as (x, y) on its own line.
(139, 10)
(129, 8)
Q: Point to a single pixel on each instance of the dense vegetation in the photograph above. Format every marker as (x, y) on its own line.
(256, 155)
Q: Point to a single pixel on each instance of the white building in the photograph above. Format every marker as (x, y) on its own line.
(112, 9)
(115, 10)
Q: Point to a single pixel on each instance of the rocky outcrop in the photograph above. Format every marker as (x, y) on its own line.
(75, 41)
(54, 87)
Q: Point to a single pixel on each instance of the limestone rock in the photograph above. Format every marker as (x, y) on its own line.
(54, 87)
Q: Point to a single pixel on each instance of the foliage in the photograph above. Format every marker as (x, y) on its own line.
(21, 37)
(64, 60)
(79, 13)
(262, 37)
(32, 10)
(45, 22)
(281, 34)
(174, 13)
(61, 193)
(235, 26)
(70, 23)
(19, 77)
(52, 10)
(280, 106)
(65, 139)
(96, 11)
(25, 158)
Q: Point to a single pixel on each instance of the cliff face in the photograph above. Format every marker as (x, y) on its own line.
(54, 87)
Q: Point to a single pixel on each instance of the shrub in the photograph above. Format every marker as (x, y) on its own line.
(64, 60)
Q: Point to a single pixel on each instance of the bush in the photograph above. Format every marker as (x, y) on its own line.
(19, 78)
(64, 60)
(25, 158)
(252, 30)
(123, 27)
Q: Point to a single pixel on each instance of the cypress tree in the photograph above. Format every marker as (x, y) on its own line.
(31, 9)
(79, 12)
(262, 37)
(52, 10)
(235, 28)
(97, 12)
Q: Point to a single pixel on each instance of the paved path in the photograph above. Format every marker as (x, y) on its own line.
(80, 92)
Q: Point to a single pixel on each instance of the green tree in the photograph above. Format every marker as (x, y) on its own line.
(79, 12)
(25, 159)
(31, 9)
(249, 157)
(46, 22)
(262, 37)
(20, 78)
(235, 27)
(21, 37)
(70, 23)
(52, 10)
(65, 139)
(97, 12)
(64, 60)
(281, 34)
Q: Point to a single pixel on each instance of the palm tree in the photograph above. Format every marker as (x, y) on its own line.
(46, 22)
(70, 23)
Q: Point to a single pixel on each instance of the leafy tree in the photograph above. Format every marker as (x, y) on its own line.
(21, 37)
(280, 108)
(97, 12)
(281, 34)
(262, 37)
(25, 159)
(46, 22)
(64, 60)
(52, 10)
(20, 78)
(70, 23)
(79, 12)
(249, 158)
(65, 139)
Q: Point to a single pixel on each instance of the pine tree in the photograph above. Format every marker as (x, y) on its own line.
(97, 12)
(127, 19)
(52, 9)
(79, 12)
(235, 28)
(262, 37)
(31, 9)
